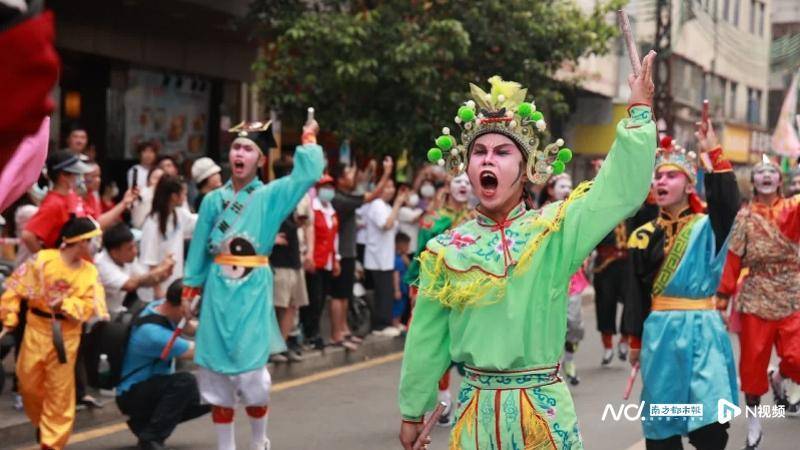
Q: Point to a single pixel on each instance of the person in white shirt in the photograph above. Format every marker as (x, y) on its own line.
(166, 228)
(120, 272)
(137, 175)
(141, 207)
(381, 227)
(408, 218)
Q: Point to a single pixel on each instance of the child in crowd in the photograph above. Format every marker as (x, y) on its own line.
(402, 244)
(63, 291)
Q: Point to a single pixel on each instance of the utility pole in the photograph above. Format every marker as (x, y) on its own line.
(663, 70)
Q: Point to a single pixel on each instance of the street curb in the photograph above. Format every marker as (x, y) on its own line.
(21, 432)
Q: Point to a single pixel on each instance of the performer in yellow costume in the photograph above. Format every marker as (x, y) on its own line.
(62, 290)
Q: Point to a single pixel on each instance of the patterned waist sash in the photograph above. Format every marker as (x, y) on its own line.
(517, 379)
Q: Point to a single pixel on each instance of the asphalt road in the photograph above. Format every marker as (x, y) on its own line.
(354, 408)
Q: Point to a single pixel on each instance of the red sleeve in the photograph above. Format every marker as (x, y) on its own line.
(718, 161)
(46, 223)
(790, 219)
(730, 276)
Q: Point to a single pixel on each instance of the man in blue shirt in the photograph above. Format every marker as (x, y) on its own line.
(150, 392)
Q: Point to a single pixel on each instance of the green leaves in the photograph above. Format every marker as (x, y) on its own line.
(389, 74)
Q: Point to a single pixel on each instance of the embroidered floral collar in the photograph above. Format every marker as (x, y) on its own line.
(513, 215)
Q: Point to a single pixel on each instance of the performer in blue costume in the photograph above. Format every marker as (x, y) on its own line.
(671, 315)
(228, 266)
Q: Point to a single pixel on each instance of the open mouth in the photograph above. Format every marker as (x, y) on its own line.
(238, 165)
(488, 180)
(661, 192)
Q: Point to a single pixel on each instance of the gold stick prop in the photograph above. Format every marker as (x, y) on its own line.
(627, 35)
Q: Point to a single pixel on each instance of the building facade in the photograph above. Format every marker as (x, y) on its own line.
(173, 72)
(719, 50)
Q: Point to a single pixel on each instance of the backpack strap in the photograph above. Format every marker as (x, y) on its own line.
(156, 319)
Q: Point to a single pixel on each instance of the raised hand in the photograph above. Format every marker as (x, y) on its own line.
(642, 87)
(706, 137)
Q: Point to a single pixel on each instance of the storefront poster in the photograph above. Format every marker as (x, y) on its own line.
(168, 109)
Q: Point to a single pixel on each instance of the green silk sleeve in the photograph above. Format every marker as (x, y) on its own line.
(618, 191)
(427, 352)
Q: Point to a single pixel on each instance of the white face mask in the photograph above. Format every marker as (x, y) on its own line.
(413, 200)
(427, 191)
(562, 189)
(766, 179)
(326, 195)
(460, 188)
(80, 186)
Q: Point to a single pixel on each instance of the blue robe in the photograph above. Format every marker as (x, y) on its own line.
(238, 328)
(686, 355)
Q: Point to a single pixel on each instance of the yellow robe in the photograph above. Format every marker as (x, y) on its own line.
(47, 386)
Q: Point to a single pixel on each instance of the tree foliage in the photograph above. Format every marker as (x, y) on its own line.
(388, 74)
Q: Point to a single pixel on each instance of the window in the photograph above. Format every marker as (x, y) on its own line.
(753, 10)
(734, 87)
(736, 5)
(761, 19)
(726, 9)
(753, 106)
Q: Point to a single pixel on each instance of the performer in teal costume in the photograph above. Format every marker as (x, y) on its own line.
(686, 356)
(236, 229)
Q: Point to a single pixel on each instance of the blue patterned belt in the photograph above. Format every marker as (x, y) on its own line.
(514, 379)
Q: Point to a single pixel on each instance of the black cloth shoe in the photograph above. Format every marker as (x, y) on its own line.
(152, 445)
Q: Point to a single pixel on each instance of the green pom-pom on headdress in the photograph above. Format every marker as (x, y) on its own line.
(466, 114)
(434, 155)
(564, 155)
(537, 116)
(558, 167)
(445, 142)
(525, 110)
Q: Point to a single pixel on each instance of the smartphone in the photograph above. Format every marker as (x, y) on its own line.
(135, 178)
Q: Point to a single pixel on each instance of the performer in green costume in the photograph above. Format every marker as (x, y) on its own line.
(493, 291)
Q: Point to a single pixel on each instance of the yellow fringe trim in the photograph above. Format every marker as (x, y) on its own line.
(466, 421)
(474, 287)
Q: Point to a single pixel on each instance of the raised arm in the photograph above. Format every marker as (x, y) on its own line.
(282, 195)
(624, 179)
(722, 192)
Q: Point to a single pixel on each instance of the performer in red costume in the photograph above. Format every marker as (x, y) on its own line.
(765, 239)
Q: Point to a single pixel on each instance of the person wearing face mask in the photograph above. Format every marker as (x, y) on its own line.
(766, 239)
(408, 219)
(326, 266)
(228, 269)
(677, 335)
(63, 290)
(493, 290)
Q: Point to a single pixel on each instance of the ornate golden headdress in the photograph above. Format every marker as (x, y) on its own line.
(503, 110)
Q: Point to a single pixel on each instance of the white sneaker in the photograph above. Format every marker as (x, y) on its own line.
(387, 332)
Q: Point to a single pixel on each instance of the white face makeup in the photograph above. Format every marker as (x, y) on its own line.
(766, 179)
(562, 188)
(460, 188)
